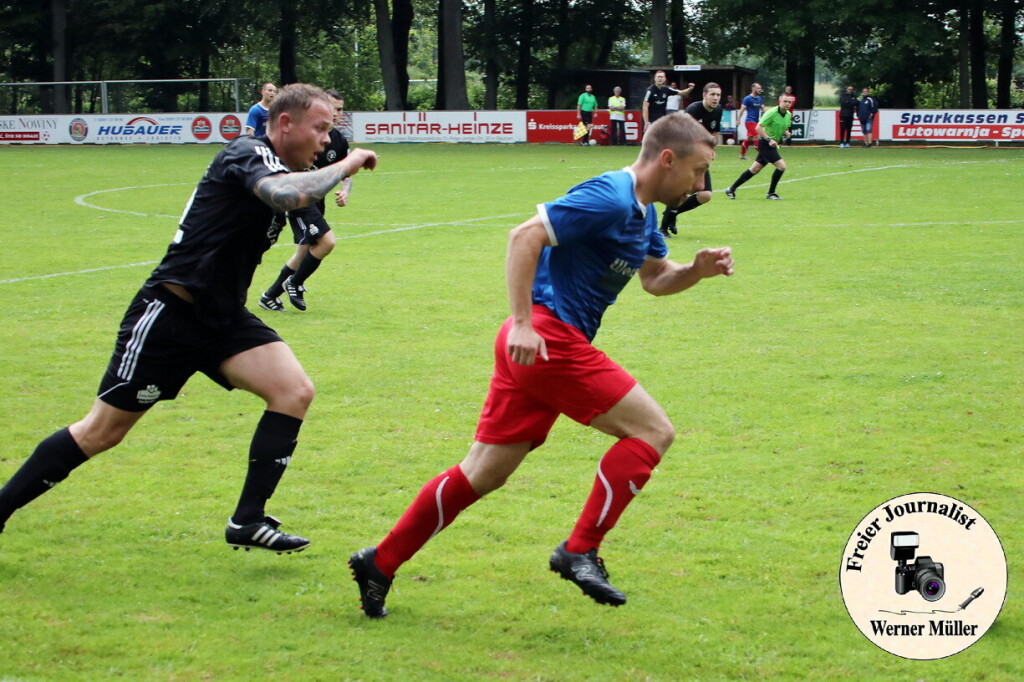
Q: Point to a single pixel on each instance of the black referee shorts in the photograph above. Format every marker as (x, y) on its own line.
(161, 343)
(767, 154)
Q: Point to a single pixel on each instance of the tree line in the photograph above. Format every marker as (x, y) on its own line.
(519, 54)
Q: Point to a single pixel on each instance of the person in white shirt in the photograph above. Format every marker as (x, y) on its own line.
(617, 115)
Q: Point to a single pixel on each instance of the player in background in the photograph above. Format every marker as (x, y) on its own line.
(564, 267)
(656, 99)
(751, 109)
(313, 236)
(867, 107)
(770, 131)
(256, 123)
(708, 113)
(190, 317)
(847, 108)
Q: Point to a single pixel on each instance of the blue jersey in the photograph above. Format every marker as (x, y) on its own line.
(600, 235)
(753, 105)
(257, 119)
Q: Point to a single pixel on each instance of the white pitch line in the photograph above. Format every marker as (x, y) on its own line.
(340, 236)
(81, 201)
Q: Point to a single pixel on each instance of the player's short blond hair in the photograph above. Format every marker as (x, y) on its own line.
(677, 131)
(296, 99)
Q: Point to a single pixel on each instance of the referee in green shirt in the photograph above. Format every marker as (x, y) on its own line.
(585, 106)
(770, 130)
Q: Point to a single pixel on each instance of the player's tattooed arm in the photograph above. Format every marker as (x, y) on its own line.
(288, 191)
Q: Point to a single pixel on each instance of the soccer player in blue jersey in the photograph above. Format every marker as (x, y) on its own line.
(256, 122)
(750, 112)
(565, 266)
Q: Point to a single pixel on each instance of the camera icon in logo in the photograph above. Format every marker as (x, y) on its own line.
(924, 575)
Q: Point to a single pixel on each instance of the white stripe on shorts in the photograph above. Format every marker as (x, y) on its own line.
(139, 332)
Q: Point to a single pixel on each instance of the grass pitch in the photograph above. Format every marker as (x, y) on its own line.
(868, 346)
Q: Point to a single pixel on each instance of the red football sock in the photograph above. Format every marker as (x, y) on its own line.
(433, 510)
(743, 147)
(622, 472)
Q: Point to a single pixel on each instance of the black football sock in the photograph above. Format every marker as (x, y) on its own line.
(775, 180)
(277, 288)
(269, 454)
(744, 176)
(49, 464)
(306, 268)
(688, 205)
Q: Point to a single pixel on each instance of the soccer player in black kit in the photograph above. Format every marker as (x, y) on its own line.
(708, 113)
(656, 99)
(190, 317)
(310, 229)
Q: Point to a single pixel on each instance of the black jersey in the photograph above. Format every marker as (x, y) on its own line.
(224, 231)
(711, 120)
(656, 98)
(336, 150)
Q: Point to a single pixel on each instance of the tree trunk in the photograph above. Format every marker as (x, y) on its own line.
(386, 48)
(59, 12)
(523, 60)
(659, 33)
(401, 25)
(964, 57)
(286, 57)
(451, 72)
(490, 62)
(1008, 40)
(680, 32)
(563, 36)
(979, 86)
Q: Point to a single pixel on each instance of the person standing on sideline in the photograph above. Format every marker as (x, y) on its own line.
(708, 113)
(656, 99)
(190, 317)
(749, 114)
(847, 107)
(617, 116)
(585, 106)
(867, 107)
(564, 267)
(313, 236)
(256, 124)
(770, 130)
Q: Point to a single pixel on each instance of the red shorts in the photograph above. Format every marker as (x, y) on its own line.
(577, 380)
(751, 128)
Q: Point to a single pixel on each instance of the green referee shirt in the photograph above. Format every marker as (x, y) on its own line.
(587, 102)
(775, 123)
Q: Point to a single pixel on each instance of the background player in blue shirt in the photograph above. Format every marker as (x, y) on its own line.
(749, 114)
(256, 123)
(565, 266)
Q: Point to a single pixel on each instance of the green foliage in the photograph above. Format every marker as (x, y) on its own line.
(867, 346)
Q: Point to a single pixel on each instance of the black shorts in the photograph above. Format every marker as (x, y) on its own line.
(587, 117)
(308, 225)
(161, 343)
(766, 153)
